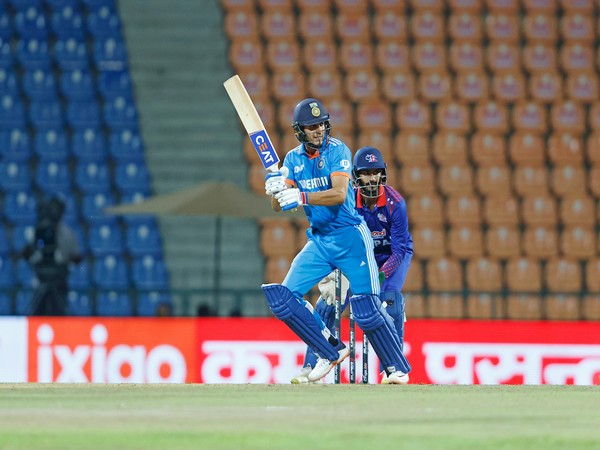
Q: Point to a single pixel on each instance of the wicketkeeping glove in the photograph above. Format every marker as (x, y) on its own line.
(291, 198)
(275, 181)
(327, 288)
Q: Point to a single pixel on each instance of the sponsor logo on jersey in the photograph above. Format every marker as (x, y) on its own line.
(314, 183)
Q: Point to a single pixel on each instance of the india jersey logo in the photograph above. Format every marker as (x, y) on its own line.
(321, 164)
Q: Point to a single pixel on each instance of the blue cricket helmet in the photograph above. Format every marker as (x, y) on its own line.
(368, 158)
(309, 111)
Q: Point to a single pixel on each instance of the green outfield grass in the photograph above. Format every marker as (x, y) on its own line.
(308, 417)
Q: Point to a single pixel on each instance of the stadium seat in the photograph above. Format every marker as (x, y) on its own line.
(540, 241)
(426, 210)
(8, 82)
(453, 120)
(484, 274)
(46, 114)
(381, 140)
(578, 242)
(14, 176)
(25, 276)
(132, 176)
(500, 27)
(283, 55)
(493, 181)
(466, 58)
(567, 117)
(276, 25)
(126, 145)
(355, 55)
(539, 28)
(435, 87)
(576, 27)
(508, 87)
(109, 54)
(539, 210)
(465, 28)
(6, 304)
(12, 112)
(6, 28)
(503, 242)
(241, 25)
(590, 308)
(89, 144)
(15, 145)
(523, 275)
(582, 87)
(105, 239)
(414, 116)
(71, 54)
(430, 240)
(526, 149)
(7, 273)
(6, 54)
(523, 307)
(361, 85)
(21, 236)
(318, 55)
(111, 272)
(93, 205)
(66, 21)
(53, 176)
(501, 210)
(277, 238)
(390, 26)
(276, 269)
(485, 306)
(23, 304)
(503, 58)
(576, 58)
(30, 23)
(39, 85)
(565, 149)
(142, 237)
(103, 23)
(149, 273)
(465, 242)
(374, 115)
(539, 59)
(314, 26)
(148, 302)
(83, 114)
(544, 6)
(33, 53)
(568, 180)
(92, 177)
(79, 277)
(246, 55)
(398, 87)
(79, 304)
(444, 275)
(392, 57)
(20, 208)
(456, 179)
(426, 26)
(352, 26)
(445, 306)
(417, 180)
(491, 117)
(323, 84)
(545, 88)
(51, 144)
(5, 243)
(428, 57)
(472, 87)
(414, 282)
(563, 275)
(114, 304)
(411, 149)
(120, 113)
(562, 307)
(463, 210)
(529, 117)
(77, 85)
(488, 149)
(288, 85)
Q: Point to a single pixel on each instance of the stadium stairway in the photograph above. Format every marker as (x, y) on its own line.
(178, 59)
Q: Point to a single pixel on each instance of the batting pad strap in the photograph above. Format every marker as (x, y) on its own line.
(286, 307)
(379, 328)
(327, 312)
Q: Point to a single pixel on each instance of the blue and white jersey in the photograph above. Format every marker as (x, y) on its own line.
(312, 173)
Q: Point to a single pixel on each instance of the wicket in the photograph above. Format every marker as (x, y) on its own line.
(337, 331)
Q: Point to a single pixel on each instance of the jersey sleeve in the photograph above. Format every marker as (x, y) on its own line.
(341, 163)
(287, 162)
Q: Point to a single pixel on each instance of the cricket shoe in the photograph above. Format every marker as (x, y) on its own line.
(384, 378)
(397, 378)
(302, 377)
(324, 366)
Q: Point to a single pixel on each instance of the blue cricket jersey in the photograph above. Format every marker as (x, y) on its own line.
(312, 173)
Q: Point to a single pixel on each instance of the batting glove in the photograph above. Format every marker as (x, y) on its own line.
(327, 288)
(275, 181)
(291, 198)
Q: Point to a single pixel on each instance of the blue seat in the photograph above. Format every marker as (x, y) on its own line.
(92, 177)
(115, 84)
(8, 82)
(71, 54)
(14, 176)
(120, 113)
(83, 114)
(33, 54)
(149, 273)
(143, 238)
(93, 205)
(25, 275)
(21, 236)
(89, 145)
(115, 304)
(147, 302)
(110, 272)
(15, 145)
(6, 304)
(126, 145)
(7, 273)
(20, 208)
(51, 144)
(105, 239)
(59, 4)
(5, 242)
(6, 28)
(19, 5)
(77, 85)
(103, 22)
(53, 176)
(6, 53)
(79, 277)
(71, 212)
(39, 84)
(132, 176)
(95, 4)
(66, 22)
(133, 197)
(12, 112)
(109, 54)
(23, 302)
(45, 114)
(31, 23)
(79, 304)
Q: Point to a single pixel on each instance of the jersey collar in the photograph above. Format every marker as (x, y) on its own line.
(381, 200)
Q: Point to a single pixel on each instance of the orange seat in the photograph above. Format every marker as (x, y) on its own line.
(257, 84)
(325, 85)
(276, 269)
(429, 57)
(523, 307)
(434, 6)
(493, 181)
(540, 28)
(426, 210)
(320, 55)
(592, 148)
(540, 6)
(465, 242)
(415, 305)
(485, 306)
(414, 279)
(390, 26)
(414, 116)
(463, 210)
(288, 85)
(361, 85)
(472, 87)
(435, 86)
(430, 241)
(590, 308)
(341, 114)
(283, 55)
(540, 59)
(320, 6)
(392, 57)
(530, 181)
(444, 275)
(577, 6)
(352, 26)
(594, 117)
(565, 148)
(449, 147)
(416, 180)
(348, 137)
(577, 27)
(523, 275)
(427, 27)
(380, 139)
(503, 28)
(563, 275)
(241, 25)
(398, 87)
(288, 141)
(528, 116)
(501, 210)
(456, 179)
(276, 25)
(592, 275)
(285, 115)
(383, 6)
(503, 6)
(577, 209)
(568, 180)
(594, 181)
(501, 58)
(246, 55)
(503, 242)
(465, 6)
(374, 115)
(453, 120)
(256, 177)
(582, 87)
(488, 149)
(466, 57)
(539, 210)
(354, 6)
(491, 117)
(562, 307)
(540, 242)
(545, 88)
(484, 274)
(445, 306)
(577, 58)
(578, 242)
(276, 5)
(277, 238)
(526, 149)
(465, 27)
(355, 55)
(411, 149)
(392, 174)
(508, 87)
(315, 26)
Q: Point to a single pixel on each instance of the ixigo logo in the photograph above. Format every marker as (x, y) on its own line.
(97, 363)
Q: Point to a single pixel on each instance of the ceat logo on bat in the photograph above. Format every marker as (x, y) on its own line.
(264, 148)
(82, 350)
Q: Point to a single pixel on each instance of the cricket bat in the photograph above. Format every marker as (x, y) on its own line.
(252, 122)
